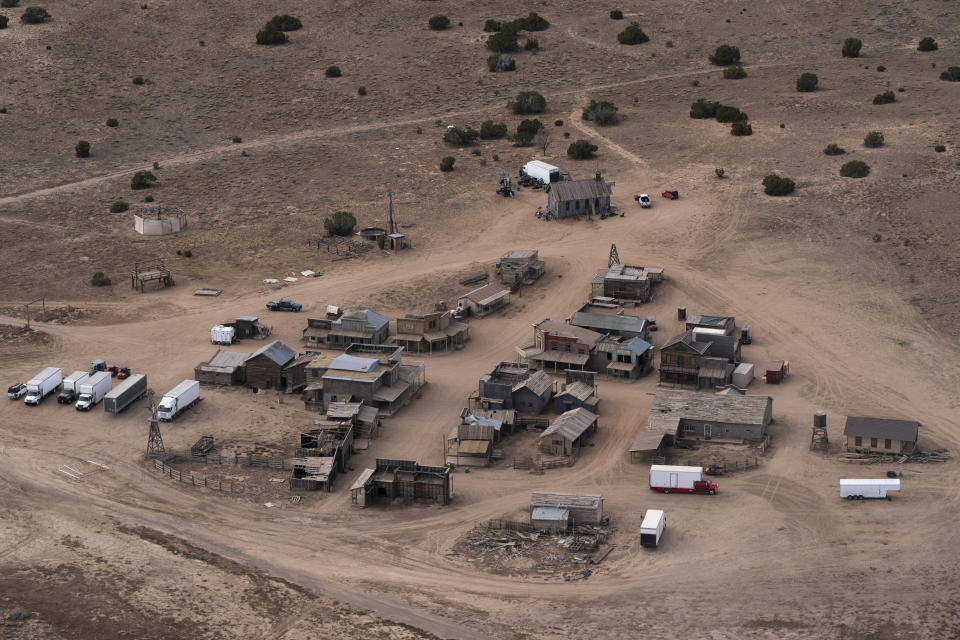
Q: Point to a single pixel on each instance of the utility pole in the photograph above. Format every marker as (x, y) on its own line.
(27, 307)
(390, 199)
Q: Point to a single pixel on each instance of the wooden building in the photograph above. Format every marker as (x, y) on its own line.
(727, 324)
(483, 300)
(881, 435)
(559, 346)
(318, 329)
(582, 508)
(495, 390)
(358, 327)
(294, 372)
(577, 395)
(402, 479)
(622, 357)
(700, 364)
(265, 367)
(434, 332)
(619, 323)
(579, 197)
(625, 284)
(550, 519)
(520, 266)
(224, 368)
(566, 435)
(374, 374)
(532, 396)
(246, 327)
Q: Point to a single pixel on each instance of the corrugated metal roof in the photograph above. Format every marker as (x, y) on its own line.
(639, 346)
(248, 319)
(579, 390)
(686, 338)
(276, 351)
(346, 362)
(558, 514)
(362, 479)
(718, 322)
(571, 424)
(565, 330)
(602, 322)
(671, 405)
(520, 254)
(485, 294)
(881, 428)
(483, 421)
(581, 189)
(224, 358)
(566, 500)
(538, 383)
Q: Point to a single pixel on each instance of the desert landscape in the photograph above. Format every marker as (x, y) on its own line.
(854, 281)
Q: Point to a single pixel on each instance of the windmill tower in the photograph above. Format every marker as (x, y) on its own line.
(614, 256)
(391, 227)
(154, 440)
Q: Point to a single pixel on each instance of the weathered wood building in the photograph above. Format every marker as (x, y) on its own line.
(881, 435)
(579, 197)
(618, 324)
(495, 390)
(224, 368)
(265, 367)
(318, 329)
(576, 395)
(373, 374)
(625, 284)
(559, 346)
(582, 508)
(566, 434)
(483, 300)
(358, 327)
(520, 266)
(533, 395)
(433, 332)
(727, 324)
(402, 479)
(698, 361)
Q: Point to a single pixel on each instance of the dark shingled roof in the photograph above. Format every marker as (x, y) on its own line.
(881, 428)
(581, 189)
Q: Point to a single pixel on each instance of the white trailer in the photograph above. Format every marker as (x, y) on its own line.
(42, 385)
(179, 399)
(743, 375)
(545, 173)
(93, 390)
(221, 334)
(667, 478)
(71, 387)
(654, 522)
(858, 489)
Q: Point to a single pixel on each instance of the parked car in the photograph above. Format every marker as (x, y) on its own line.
(644, 201)
(16, 391)
(283, 305)
(673, 194)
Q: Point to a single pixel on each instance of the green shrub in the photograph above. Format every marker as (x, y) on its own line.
(99, 280)
(558, 123)
(3, 109)
(148, 199)
(734, 73)
(112, 122)
(333, 71)
(855, 169)
(851, 48)
(361, 91)
(603, 113)
(119, 207)
(807, 82)
(951, 75)
(633, 34)
(460, 136)
(382, 241)
(34, 15)
(285, 23)
(491, 26)
(532, 22)
(940, 148)
(138, 80)
(885, 98)
(528, 102)
(725, 54)
(438, 23)
(701, 109)
(492, 131)
(873, 139)
(834, 150)
(83, 149)
(876, 237)
(502, 42)
(9, 4)
(341, 223)
(726, 113)
(927, 44)
(446, 164)
(271, 35)
(142, 180)
(741, 129)
(881, 68)
(774, 185)
(526, 131)
(4, 21)
(616, 14)
(500, 62)
(581, 150)
(531, 44)
(236, 139)
(188, 254)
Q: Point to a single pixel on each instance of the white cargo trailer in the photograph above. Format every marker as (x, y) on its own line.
(179, 399)
(858, 489)
(654, 522)
(667, 478)
(542, 171)
(93, 390)
(743, 375)
(125, 393)
(71, 386)
(42, 385)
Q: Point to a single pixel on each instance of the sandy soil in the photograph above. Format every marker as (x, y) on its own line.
(867, 326)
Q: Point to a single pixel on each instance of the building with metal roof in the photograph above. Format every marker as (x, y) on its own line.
(264, 367)
(483, 300)
(566, 434)
(224, 368)
(881, 435)
(356, 327)
(577, 395)
(579, 197)
(583, 508)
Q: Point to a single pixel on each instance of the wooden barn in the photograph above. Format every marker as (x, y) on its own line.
(265, 368)
(403, 479)
(582, 508)
(579, 197)
(565, 436)
(881, 435)
(224, 368)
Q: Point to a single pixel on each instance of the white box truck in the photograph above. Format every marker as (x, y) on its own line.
(42, 385)
(858, 489)
(545, 173)
(93, 390)
(179, 399)
(71, 386)
(667, 478)
(654, 522)
(125, 393)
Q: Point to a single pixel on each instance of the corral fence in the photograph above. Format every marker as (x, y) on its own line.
(189, 478)
(238, 460)
(733, 465)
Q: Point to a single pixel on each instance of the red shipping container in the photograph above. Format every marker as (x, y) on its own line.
(775, 372)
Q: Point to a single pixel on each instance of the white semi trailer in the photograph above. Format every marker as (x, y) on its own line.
(42, 385)
(858, 489)
(179, 399)
(545, 173)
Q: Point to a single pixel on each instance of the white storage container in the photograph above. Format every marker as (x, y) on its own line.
(857, 489)
(743, 375)
(654, 522)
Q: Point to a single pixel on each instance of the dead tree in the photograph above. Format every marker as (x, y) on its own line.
(542, 139)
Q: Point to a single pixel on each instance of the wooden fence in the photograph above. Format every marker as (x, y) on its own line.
(509, 525)
(189, 478)
(735, 465)
(256, 461)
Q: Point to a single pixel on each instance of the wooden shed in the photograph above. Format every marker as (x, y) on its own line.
(224, 368)
(566, 435)
(582, 508)
(265, 366)
(550, 519)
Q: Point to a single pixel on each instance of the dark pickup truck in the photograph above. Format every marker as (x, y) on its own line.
(283, 305)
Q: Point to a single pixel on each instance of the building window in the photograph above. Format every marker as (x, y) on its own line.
(873, 442)
(679, 361)
(433, 324)
(887, 444)
(689, 428)
(609, 356)
(568, 205)
(567, 347)
(859, 441)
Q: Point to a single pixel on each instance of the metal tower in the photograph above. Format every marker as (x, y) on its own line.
(614, 256)
(154, 440)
